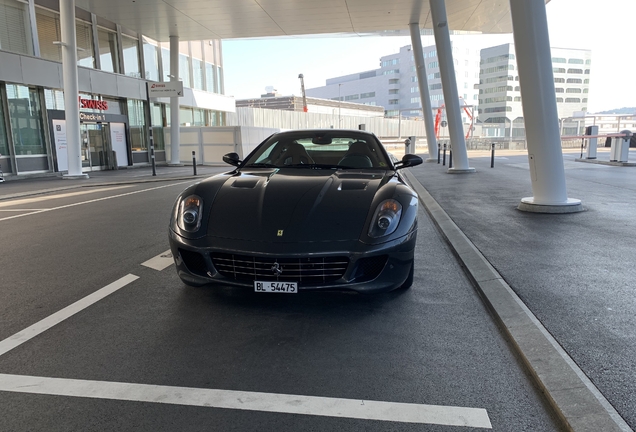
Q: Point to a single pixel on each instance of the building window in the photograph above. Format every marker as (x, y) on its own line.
(575, 71)
(151, 59)
(413, 79)
(585, 90)
(184, 70)
(587, 71)
(558, 60)
(574, 81)
(54, 99)
(108, 50)
(137, 125)
(84, 37)
(559, 99)
(415, 100)
(165, 62)
(351, 97)
(15, 28)
(391, 72)
(586, 81)
(432, 65)
(558, 90)
(588, 61)
(4, 142)
(210, 78)
(559, 80)
(25, 115)
(197, 74)
(393, 101)
(517, 98)
(158, 123)
(573, 90)
(367, 95)
(394, 81)
(394, 91)
(131, 56)
(558, 70)
(199, 117)
(575, 61)
(437, 86)
(572, 100)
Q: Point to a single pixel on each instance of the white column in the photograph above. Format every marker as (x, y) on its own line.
(71, 90)
(532, 46)
(174, 103)
(422, 83)
(449, 87)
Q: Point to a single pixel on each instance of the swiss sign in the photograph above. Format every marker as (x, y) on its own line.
(166, 89)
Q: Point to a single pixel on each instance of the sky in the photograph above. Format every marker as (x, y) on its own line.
(604, 26)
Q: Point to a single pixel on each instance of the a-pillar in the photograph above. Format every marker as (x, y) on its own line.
(536, 79)
(449, 87)
(422, 83)
(174, 103)
(71, 90)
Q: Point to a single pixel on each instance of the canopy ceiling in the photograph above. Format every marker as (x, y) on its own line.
(231, 19)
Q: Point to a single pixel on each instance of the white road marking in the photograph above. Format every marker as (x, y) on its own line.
(41, 326)
(66, 195)
(160, 262)
(250, 401)
(20, 210)
(91, 201)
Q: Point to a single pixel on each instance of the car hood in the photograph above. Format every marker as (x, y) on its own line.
(294, 205)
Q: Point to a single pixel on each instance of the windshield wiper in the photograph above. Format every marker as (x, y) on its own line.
(313, 166)
(261, 165)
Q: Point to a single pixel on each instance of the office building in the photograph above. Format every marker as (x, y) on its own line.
(500, 108)
(394, 85)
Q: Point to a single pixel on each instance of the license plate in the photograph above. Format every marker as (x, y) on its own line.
(276, 287)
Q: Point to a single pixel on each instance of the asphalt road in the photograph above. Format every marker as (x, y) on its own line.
(576, 272)
(142, 349)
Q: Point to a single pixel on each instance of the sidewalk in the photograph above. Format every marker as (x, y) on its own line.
(575, 272)
(14, 188)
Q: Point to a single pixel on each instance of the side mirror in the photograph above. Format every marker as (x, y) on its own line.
(232, 159)
(409, 160)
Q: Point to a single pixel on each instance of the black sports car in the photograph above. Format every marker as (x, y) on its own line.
(311, 209)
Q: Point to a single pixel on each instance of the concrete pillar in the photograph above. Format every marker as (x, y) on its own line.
(174, 103)
(532, 46)
(422, 83)
(449, 87)
(71, 90)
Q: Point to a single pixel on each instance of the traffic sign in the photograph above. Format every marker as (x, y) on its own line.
(165, 89)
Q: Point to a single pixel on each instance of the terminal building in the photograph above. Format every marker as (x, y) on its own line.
(114, 65)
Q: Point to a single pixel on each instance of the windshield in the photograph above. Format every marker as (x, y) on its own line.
(318, 149)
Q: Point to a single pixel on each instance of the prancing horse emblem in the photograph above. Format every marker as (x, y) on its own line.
(276, 269)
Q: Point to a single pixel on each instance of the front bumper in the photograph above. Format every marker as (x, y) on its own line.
(199, 269)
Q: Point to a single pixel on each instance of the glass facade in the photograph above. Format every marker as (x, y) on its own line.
(151, 59)
(25, 115)
(197, 74)
(4, 142)
(165, 62)
(108, 57)
(158, 122)
(84, 37)
(137, 125)
(184, 70)
(15, 34)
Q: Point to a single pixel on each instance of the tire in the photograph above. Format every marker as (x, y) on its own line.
(409, 279)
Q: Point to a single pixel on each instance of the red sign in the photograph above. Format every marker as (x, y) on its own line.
(93, 104)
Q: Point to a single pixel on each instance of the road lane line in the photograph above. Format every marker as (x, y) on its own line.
(160, 262)
(21, 210)
(92, 201)
(58, 196)
(250, 401)
(41, 326)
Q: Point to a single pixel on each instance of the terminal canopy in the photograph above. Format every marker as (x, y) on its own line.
(230, 19)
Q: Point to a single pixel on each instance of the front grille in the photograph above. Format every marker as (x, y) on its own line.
(194, 261)
(308, 271)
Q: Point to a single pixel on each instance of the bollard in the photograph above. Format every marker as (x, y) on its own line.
(152, 152)
(582, 145)
(444, 157)
(194, 163)
(450, 158)
(439, 151)
(492, 156)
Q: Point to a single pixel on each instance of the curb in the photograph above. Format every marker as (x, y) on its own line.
(575, 399)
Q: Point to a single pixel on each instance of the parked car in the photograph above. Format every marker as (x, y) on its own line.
(309, 209)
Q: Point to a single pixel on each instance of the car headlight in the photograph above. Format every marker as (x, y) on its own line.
(190, 213)
(385, 219)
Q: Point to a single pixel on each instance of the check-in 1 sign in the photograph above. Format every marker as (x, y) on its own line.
(166, 89)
